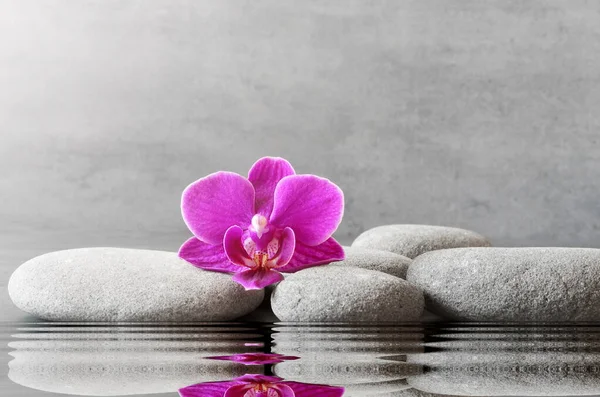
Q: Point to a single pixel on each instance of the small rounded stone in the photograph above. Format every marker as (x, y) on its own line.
(414, 240)
(371, 259)
(116, 284)
(338, 294)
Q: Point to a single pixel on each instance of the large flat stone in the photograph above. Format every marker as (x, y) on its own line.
(413, 240)
(514, 284)
(337, 294)
(115, 284)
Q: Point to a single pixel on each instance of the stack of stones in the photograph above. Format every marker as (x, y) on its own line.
(391, 274)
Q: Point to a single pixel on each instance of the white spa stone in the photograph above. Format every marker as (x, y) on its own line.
(338, 294)
(371, 259)
(510, 284)
(116, 284)
(413, 240)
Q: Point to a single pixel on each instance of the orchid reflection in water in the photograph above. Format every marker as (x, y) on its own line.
(260, 386)
(256, 358)
(273, 221)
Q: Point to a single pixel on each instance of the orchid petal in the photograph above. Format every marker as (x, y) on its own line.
(284, 390)
(257, 279)
(214, 203)
(310, 205)
(206, 256)
(310, 390)
(234, 249)
(255, 358)
(209, 389)
(257, 378)
(264, 176)
(288, 246)
(239, 391)
(307, 256)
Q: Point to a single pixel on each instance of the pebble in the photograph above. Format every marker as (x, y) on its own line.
(338, 294)
(510, 284)
(413, 240)
(117, 284)
(371, 259)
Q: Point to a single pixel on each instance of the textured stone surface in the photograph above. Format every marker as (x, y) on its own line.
(413, 240)
(545, 284)
(116, 284)
(372, 259)
(333, 293)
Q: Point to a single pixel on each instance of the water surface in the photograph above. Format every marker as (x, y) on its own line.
(424, 359)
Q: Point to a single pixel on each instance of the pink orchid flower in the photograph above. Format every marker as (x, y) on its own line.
(260, 386)
(273, 221)
(256, 358)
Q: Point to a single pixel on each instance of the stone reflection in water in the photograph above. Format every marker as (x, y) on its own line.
(365, 360)
(511, 361)
(106, 361)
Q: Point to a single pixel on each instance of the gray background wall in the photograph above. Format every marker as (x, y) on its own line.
(481, 114)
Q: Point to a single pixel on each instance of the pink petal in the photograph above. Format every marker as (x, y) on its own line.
(310, 205)
(310, 390)
(264, 175)
(206, 256)
(214, 203)
(307, 256)
(257, 279)
(237, 391)
(255, 378)
(209, 389)
(256, 358)
(234, 249)
(288, 246)
(284, 390)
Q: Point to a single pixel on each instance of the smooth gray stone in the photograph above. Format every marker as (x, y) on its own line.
(513, 284)
(498, 373)
(410, 393)
(338, 294)
(372, 259)
(413, 240)
(116, 284)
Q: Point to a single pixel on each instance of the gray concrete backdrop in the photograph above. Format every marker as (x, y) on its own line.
(481, 114)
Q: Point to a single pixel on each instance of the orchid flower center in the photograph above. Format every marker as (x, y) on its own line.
(262, 390)
(262, 253)
(262, 243)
